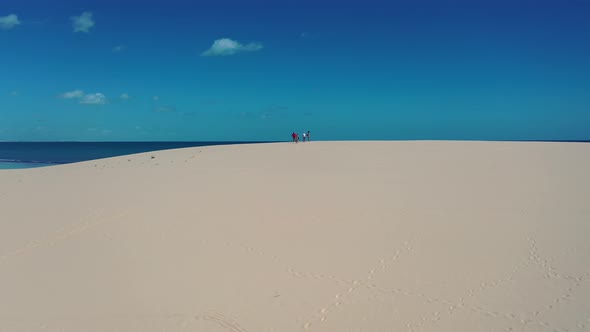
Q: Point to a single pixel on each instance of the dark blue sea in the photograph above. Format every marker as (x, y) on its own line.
(36, 154)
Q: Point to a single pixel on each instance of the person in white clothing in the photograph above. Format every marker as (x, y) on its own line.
(304, 136)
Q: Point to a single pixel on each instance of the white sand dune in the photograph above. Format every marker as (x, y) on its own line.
(320, 236)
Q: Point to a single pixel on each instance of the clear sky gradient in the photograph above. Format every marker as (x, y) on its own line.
(173, 70)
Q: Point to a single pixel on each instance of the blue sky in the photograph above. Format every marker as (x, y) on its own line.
(258, 70)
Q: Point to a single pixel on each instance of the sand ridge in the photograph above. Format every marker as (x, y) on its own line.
(319, 236)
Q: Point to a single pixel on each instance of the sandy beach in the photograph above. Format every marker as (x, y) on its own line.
(316, 236)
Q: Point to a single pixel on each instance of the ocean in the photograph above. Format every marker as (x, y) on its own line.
(15, 155)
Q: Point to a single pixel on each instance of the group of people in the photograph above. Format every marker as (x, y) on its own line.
(306, 136)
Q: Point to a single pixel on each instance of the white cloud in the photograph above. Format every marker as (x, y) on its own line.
(226, 46)
(156, 98)
(119, 48)
(9, 22)
(94, 98)
(124, 96)
(91, 98)
(73, 94)
(82, 23)
(14, 93)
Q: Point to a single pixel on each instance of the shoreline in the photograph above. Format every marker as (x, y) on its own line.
(23, 164)
(35, 154)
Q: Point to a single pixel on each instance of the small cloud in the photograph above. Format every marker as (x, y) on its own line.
(137, 127)
(106, 132)
(119, 48)
(94, 99)
(91, 98)
(9, 22)
(82, 23)
(92, 129)
(124, 96)
(14, 93)
(156, 98)
(73, 94)
(163, 109)
(226, 46)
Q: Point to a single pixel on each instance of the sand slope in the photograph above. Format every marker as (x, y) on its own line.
(321, 236)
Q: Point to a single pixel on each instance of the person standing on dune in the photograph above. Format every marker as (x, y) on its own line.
(294, 136)
(308, 137)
